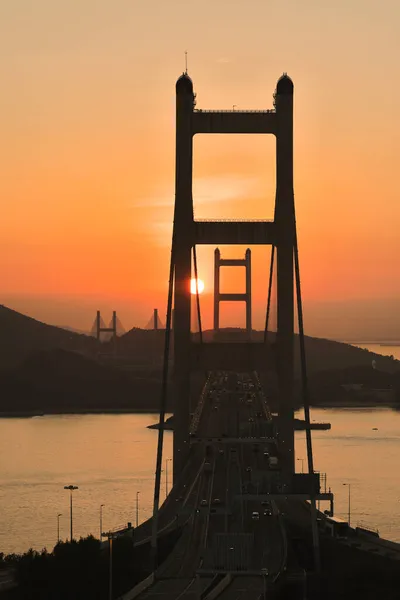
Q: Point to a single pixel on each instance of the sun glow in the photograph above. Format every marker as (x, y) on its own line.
(200, 284)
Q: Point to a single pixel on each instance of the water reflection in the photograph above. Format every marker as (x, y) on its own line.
(110, 457)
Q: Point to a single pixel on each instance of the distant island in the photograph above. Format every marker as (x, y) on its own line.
(46, 369)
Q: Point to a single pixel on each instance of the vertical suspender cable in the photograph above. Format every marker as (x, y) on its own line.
(197, 293)
(163, 403)
(304, 378)
(271, 274)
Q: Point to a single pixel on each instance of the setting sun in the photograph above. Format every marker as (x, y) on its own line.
(200, 284)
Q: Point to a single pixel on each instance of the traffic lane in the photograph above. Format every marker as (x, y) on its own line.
(268, 547)
(184, 560)
(168, 589)
(243, 588)
(294, 510)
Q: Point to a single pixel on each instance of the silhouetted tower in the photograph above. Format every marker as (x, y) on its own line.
(155, 319)
(111, 329)
(221, 297)
(279, 233)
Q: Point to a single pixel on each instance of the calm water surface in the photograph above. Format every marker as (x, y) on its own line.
(385, 349)
(110, 457)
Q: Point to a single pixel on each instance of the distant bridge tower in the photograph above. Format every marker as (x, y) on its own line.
(219, 297)
(101, 328)
(154, 323)
(280, 233)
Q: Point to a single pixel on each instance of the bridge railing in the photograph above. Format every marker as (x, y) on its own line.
(139, 588)
(199, 408)
(367, 527)
(227, 110)
(235, 221)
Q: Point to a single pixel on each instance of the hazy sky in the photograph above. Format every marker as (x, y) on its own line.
(87, 112)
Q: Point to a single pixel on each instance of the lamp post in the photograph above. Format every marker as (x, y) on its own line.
(302, 464)
(110, 537)
(101, 519)
(137, 509)
(58, 527)
(265, 574)
(166, 475)
(349, 506)
(71, 488)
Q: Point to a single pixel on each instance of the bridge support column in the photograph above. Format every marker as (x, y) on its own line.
(285, 221)
(183, 242)
(220, 297)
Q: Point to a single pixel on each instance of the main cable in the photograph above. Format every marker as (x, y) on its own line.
(306, 404)
(271, 273)
(303, 362)
(197, 293)
(163, 404)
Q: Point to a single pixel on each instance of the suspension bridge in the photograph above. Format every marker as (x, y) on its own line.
(234, 467)
(247, 523)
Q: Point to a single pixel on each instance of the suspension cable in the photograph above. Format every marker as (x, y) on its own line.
(306, 404)
(304, 377)
(197, 293)
(271, 273)
(163, 403)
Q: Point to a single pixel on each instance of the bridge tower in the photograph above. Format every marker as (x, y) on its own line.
(188, 232)
(220, 297)
(111, 329)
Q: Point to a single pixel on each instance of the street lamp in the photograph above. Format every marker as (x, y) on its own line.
(110, 537)
(101, 519)
(58, 527)
(348, 484)
(302, 464)
(166, 475)
(265, 574)
(71, 488)
(137, 509)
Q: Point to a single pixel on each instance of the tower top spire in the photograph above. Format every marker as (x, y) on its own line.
(184, 84)
(284, 85)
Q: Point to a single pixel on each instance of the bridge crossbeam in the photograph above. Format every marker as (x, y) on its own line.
(225, 356)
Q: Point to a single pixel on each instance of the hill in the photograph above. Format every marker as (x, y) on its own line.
(62, 381)
(322, 354)
(46, 368)
(21, 336)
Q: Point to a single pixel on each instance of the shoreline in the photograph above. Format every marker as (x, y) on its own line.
(84, 411)
(140, 411)
(355, 405)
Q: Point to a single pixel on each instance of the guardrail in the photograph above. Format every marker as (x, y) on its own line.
(220, 587)
(199, 408)
(234, 221)
(366, 528)
(225, 110)
(213, 583)
(138, 589)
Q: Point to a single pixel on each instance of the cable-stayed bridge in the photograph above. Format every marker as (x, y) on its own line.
(114, 329)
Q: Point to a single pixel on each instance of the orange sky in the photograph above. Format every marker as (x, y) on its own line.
(87, 146)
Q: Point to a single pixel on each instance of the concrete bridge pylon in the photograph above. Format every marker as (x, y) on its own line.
(279, 233)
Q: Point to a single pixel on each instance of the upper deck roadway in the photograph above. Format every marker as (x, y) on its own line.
(231, 531)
